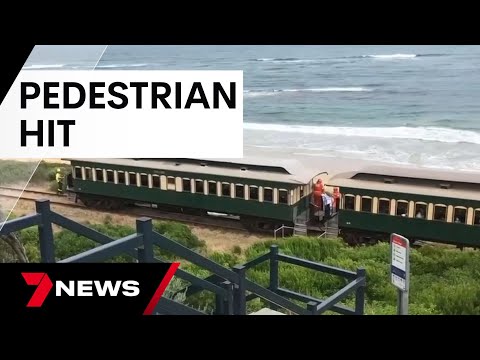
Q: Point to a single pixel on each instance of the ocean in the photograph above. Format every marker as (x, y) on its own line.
(412, 105)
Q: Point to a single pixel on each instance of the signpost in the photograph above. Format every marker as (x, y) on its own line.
(400, 269)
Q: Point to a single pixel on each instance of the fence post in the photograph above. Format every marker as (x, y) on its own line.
(273, 272)
(240, 301)
(144, 227)
(360, 292)
(224, 304)
(312, 307)
(45, 231)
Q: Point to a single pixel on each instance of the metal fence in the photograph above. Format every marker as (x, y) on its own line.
(231, 288)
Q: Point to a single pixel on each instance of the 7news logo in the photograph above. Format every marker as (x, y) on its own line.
(86, 289)
(76, 288)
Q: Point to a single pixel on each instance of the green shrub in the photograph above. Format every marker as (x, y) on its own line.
(180, 233)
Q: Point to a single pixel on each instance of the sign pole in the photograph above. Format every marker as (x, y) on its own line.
(400, 270)
(402, 302)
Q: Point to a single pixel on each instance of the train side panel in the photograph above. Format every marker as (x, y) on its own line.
(413, 228)
(214, 203)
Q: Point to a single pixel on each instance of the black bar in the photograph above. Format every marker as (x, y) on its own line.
(20, 223)
(316, 266)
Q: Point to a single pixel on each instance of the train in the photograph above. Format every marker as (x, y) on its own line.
(362, 206)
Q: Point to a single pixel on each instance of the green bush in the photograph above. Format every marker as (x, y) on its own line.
(180, 233)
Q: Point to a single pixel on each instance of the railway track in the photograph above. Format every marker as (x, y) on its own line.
(137, 211)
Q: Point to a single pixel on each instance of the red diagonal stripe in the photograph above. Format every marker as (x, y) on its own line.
(161, 289)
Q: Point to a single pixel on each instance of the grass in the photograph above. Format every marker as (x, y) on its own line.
(18, 172)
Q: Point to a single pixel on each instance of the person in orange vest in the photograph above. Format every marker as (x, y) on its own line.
(59, 179)
(336, 198)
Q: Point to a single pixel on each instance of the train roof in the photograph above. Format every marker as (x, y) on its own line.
(421, 181)
(276, 170)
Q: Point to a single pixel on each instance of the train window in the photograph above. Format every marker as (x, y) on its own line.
(199, 186)
(88, 173)
(268, 194)
(226, 189)
(186, 185)
(144, 180)
(99, 174)
(171, 183)
(156, 181)
(240, 191)
(283, 196)
(212, 188)
(366, 204)
(384, 206)
(402, 208)
(78, 172)
(302, 192)
(440, 213)
(349, 202)
(132, 178)
(460, 215)
(421, 210)
(121, 177)
(253, 192)
(110, 176)
(476, 219)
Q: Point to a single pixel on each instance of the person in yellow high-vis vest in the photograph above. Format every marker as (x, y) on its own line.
(59, 179)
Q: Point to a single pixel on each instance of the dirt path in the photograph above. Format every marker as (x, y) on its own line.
(217, 239)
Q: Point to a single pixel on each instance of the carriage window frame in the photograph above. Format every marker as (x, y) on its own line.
(78, 172)
(88, 174)
(398, 202)
(280, 192)
(362, 198)
(435, 206)
(99, 171)
(142, 177)
(226, 188)
(257, 198)
(112, 176)
(202, 186)
(270, 191)
(186, 181)
(455, 208)
(156, 182)
(416, 209)
(212, 184)
(130, 175)
(121, 174)
(476, 217)
(242, 187)
(354, 201)
(171, 183)
(380, 200)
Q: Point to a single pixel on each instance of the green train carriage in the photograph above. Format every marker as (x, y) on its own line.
(420, 204)
(263, 195)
